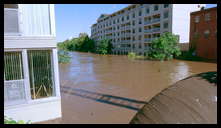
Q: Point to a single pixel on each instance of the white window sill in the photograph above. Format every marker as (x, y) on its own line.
(33, 102)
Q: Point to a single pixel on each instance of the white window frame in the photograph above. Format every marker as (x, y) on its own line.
(56, 82)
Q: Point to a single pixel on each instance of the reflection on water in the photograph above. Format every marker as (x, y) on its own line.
(134, 78)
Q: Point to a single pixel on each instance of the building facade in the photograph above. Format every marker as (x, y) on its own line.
(203, 33)
(31, 78)
(131, 29)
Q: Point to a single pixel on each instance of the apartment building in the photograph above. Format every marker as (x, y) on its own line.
(203, 33)
(131, 29)
(31, 80)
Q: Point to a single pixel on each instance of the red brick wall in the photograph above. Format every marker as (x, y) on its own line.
(205, 47)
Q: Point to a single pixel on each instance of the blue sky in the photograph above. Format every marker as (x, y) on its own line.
(72, 19)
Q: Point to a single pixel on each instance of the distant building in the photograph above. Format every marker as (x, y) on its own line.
(131, 29)
(203, 32)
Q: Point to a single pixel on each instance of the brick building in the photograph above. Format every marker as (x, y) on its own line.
(203, 32)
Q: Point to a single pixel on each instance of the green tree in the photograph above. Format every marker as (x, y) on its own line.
(82, 43)
(104, 46)
(164, 48)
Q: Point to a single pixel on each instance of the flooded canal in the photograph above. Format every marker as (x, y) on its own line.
(111, 88)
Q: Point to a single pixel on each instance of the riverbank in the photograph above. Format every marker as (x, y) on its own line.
(192, 100)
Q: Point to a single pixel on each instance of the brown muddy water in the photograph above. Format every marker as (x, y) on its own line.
(112, 88)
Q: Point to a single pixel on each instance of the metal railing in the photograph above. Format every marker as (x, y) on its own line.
(155, 20)
(147, 22)
(147, 39)
(155, 29)
(147, 30)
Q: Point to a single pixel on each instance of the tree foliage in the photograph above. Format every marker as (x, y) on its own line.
(164, 48)
(83, 43)
(11, 121)
(104, 46)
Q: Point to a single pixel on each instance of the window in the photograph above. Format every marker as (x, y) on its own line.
(133, 38)
(14, 89)
(156, 7)
(133, 46)
(128, 17)
(207, 17)
(40, 73)
(140, 37)
(140, 46)
(165, 25)
(118, 20)
(206, 33)
(133, 30)
(165, 14)
(122, 19)
(140, 13)
(114, 22)
(41, 76)
(133, 15)
(166, 5)
(133, 22)
(197, 19)
(140, 21)
(11, 23)
(140, 29)
(147, 10)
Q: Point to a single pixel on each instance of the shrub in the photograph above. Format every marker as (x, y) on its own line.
(164, 48)
(11, 121)
(131, 55)
(190, 55)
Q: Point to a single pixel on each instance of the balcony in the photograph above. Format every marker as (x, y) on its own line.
(147, 30)
(155, 20)
(127, 27)
(11, 25)
(109, 31)
(125, 41)
(147, 39)
(155, 29)
(127, 34)
(154, 38)
(147, 22)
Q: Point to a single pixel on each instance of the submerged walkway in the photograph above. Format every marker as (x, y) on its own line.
(192, 100)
